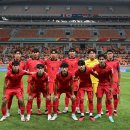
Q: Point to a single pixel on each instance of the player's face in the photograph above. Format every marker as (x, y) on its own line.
(40, 71)
(72, 54)
(54, 55)
(17, 55)
(35, 55)
(102, 61)
(81, 68)
(109, 55)
(64, 71)
(92, 55)
(15, 68)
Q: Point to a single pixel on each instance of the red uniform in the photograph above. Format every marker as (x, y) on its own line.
(114, 64)
(64, 86)
(14, 82)
(104, 86)
(39, 86)
(85, 85)
(52, 70)
(31, 66)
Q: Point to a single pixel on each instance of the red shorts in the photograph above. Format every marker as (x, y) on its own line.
(81, 94)
(38, 93)
(28, 87)
(51, 87)
(11, 92)
(104, 89)
(68, 94)
(116, 89)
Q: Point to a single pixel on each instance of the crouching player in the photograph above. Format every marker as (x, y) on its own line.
(85, 85)
(64, 84)
(39, 84)
(105, 77)
(12, 86)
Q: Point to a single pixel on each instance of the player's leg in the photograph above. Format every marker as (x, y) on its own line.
(116, 101)
(9, 105)
(109, 103)
(90, 101)
(55, 105)
(66, 104)
(38, 100)
(100, 92)
(81, 104)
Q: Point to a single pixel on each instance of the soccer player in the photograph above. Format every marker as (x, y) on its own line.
(39, 84)
(64, 84)
(73, 66)
(17, 57)
(114, 64)
(12, 86)
(31, 67)
(85, 85)
(91, 62)
(105, 76)
(52, 66)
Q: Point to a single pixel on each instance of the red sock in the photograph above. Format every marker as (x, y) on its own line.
(116, 101)
(29, 106)
(106, 104)
(99, 107)
(55, 106)
(90, 105)
(4, 111)
(49, 106)
(9, 102)
(73, 107)
(66, 101)
(81, 105)
(38, 102)
(22, 109)
(110, 108)
(77, 101)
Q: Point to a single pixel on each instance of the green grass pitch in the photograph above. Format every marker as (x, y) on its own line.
(64, 121)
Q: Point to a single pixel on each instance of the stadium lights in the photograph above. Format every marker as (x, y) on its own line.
(4, 19)
(26, 8)
(47, 8)
(68, 8)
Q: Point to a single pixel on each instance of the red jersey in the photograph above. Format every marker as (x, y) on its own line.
(73, 64)
(85, 80)
(21, 66)
(31, 65)
(39, 83)
(15, 80)
(104, 74)
(114, 64)
(52, 68)
(64, 83)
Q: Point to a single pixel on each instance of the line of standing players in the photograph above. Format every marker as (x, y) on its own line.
(72, 76)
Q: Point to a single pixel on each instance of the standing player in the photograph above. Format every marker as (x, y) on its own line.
(91, 62)
(52, 66)
(73, 66)
(31, 67)
(39, 84)
(105, 76)
(17, 57)
(85, 85)
(12, 86)
(64, 84)
(114, 64)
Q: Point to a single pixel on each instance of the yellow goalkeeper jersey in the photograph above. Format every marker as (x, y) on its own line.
(91, 64)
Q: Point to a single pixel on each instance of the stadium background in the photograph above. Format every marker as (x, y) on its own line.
(62, 24)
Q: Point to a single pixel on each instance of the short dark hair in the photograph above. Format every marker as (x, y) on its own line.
(15, 63)
(81, 62)
(72, 50)
(91, 50)
(35, 50)
(54, 51)
(39, 66)
(64, 65)
(18, 50)
(102, 55)
(109, 51)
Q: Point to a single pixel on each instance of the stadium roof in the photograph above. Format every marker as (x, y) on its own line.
(61, 1)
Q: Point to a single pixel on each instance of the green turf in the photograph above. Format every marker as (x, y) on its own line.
(64, 122)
